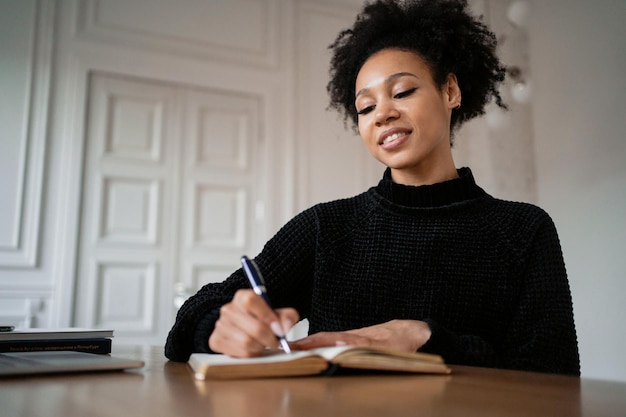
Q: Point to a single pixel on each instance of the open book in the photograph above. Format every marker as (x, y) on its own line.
(314, 362)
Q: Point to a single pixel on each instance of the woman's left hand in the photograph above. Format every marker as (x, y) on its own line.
(404, 335)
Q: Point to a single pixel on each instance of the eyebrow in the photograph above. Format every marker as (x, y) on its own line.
(387, 80)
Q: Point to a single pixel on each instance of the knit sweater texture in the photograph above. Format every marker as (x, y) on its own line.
(487, 275)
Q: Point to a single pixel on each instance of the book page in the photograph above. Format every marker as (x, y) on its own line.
(273, 356)
(332, 352)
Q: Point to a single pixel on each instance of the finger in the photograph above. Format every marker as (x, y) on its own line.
(232, 342)
(287, 318)
(239, 333)
(247, 328)
(247, 325)
(322, 339)
(253, 304)
(279, 321)
(231, 338)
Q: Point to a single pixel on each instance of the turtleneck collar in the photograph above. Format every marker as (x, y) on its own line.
(441, 194)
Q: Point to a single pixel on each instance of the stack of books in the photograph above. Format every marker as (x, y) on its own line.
(61, 339)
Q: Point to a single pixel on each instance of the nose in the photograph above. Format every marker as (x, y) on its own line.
(385, 112)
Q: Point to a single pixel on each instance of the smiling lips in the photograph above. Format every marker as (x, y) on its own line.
(388, 138)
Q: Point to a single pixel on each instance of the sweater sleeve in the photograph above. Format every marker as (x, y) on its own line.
(196, 318)
(287, 263)
(541, 335)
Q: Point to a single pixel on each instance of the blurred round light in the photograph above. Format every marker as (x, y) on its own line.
(519, 12)
(495, 117)
(522, 91)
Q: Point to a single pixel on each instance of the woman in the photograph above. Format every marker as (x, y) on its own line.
(426, 260)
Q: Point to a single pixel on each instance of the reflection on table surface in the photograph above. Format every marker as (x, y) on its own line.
(164, 388)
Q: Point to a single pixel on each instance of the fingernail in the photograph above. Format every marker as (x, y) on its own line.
(340, 343)
(278, 331)
(288, 324)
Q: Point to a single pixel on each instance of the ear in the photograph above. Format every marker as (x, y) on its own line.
(452, 92)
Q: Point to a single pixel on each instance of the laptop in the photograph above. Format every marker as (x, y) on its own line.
(31, 363)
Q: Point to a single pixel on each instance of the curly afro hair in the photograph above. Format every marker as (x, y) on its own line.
(442, 32)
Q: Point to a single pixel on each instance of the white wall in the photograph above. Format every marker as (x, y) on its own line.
(578, 64)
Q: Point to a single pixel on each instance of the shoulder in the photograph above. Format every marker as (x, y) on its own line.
(518, 224)
(520, 214)
(517, 212)
(344, 206)
(338, 214)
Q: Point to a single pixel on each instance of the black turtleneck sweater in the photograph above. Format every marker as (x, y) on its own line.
(487, 275)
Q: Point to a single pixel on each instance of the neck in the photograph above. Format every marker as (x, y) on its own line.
(422, 175)
(445, 193)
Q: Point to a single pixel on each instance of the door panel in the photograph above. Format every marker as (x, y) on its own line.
(169, 199)
(222, 174)
(129, 183)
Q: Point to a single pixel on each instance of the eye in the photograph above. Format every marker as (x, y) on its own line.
(405, 93)
(365, 110)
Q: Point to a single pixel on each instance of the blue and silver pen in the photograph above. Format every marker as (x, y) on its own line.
(258, 286)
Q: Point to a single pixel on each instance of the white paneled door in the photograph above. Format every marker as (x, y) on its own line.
(169, 199)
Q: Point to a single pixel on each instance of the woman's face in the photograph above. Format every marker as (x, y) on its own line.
(404, 117)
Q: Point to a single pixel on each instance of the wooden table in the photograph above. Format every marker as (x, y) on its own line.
(165, 388)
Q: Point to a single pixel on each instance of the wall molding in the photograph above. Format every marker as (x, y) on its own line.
(22, 251)
(96, 21)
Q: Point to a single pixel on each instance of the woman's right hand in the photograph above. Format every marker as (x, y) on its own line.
(247, 326)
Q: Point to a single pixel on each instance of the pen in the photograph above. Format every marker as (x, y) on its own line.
(258, 286)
